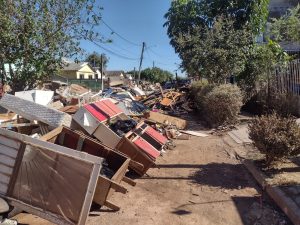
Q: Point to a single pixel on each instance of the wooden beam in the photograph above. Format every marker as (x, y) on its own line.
(118, 188)
(129, 181)
(111, 206)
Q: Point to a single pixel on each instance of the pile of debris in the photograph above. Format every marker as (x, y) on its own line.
(49, 138)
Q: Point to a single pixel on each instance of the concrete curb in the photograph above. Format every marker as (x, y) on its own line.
(282, 200)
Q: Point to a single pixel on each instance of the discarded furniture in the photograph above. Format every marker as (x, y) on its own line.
(111, 175)
(33, 111)
(170, 98)
(95, 117)
(153, 137)
(147, 139)
(47, 180)
(132, 151)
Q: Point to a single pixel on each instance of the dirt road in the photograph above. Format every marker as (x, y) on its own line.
(196, 183)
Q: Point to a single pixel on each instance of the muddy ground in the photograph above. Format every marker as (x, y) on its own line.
(199, 182)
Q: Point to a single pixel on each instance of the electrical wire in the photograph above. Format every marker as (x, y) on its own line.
(120, 36)
(156, 62)
(161, 56)
(113, 53)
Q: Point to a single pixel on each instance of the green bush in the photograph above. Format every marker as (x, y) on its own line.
(196, 87)
(275, 136)
(221, 104)
(198, 92)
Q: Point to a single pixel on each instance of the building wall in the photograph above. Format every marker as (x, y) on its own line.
(86, 71)
(68, 74)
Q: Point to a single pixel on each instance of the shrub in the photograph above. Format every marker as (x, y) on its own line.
(196, 87)
(221, 104)
(276, 137)
(198, 92)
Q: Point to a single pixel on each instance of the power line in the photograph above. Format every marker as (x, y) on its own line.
(113, 53)
(157, 62)
(120, 36)
(119, 47)
(159, 55)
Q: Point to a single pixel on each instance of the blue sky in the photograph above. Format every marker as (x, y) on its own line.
(136, 21)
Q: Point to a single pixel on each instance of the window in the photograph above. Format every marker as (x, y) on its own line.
(81, 76)
(90, 77)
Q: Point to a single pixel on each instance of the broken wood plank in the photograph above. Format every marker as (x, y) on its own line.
(129, 181)
(194, 133)
(111, 206)
(167, 120)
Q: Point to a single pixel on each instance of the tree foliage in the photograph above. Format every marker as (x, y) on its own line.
(156, 75)
(94, 60)
(36, 34)
(217, 52)
(287, 28)
(238, 22)
(261, 61)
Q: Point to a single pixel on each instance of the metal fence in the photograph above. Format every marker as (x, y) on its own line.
(288, 79)
(94, 85)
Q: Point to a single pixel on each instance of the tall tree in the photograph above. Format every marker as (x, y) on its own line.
(217, 52)
(287, 28)
(95, 59)
(188, 18)
(36, 34)
(156, 75)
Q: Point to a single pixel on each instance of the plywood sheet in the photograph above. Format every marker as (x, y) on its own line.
(47, 180)
(107, 136)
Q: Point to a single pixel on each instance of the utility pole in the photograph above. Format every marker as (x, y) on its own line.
(141, 61)
(153, 65)
(102, 72)
(134, 74)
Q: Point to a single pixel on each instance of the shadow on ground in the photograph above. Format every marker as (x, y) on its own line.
(255, 210)
(223, 175)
